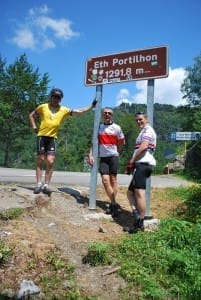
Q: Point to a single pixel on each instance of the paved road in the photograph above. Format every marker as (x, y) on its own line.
(83, 179)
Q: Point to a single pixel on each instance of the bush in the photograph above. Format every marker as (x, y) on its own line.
(97, 254)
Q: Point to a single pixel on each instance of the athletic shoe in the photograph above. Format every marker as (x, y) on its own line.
(130, 229)
(113, 209)
(138, 225)
(141, 225)
(46, 190)
(37, 190)
(136, 216)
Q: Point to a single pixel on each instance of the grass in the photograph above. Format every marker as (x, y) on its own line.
(10, 214)
(165, 264)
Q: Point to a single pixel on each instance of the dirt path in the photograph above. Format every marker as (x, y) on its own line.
(63, 220)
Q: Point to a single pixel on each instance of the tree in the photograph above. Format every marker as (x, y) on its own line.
(191, 89)
(191, 86)
(21, 89)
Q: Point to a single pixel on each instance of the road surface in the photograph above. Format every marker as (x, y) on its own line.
(83, 179)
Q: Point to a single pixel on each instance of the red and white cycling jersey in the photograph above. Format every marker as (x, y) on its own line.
(109, 136)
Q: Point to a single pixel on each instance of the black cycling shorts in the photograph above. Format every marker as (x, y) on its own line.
(46, 145)
(141, 172)
(109, 165)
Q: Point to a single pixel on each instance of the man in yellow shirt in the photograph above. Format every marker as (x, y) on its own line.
(51, 115)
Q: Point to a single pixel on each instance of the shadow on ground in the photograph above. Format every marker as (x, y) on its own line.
(123, 218)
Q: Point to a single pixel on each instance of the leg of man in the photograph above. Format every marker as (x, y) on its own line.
(113, 183)
(140, 202)
(108, 188)
(131, 199)
(48, 174)
(50, 157)
(136, 197)
(39, 169)
(49, 168)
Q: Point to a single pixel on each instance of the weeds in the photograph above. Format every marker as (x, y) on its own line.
(191, 197)
(97, 254)
(5, 252)
(10, 214)
(160, 265)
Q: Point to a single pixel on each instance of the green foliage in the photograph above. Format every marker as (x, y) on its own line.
(191, 86)
(175, 232)
(5, 252)
(10, 214)
(74, 142)
(192, 200)
(97, 254)
(165, 264)
(21, 89)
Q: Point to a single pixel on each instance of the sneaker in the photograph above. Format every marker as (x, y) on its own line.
(141, 225)
(113, 209)
(136, 215)
(37, 190)
(130, 229)
(46, 190)
(138, 225)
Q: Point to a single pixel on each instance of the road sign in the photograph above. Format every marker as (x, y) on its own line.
(185, 136)
(127, 66)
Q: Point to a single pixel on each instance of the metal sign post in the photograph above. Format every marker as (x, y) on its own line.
(150, 109)
(94, 170)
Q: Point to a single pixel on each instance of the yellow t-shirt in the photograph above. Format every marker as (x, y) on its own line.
(51, 121)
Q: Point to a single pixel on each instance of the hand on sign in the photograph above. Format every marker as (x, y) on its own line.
(94, 102)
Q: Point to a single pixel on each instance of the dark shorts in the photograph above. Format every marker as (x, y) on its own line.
(46, 145)
(109, 165)
(141, 172)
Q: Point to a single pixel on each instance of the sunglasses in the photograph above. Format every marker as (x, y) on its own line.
(56, 96)
(107, 113)
(138, 120)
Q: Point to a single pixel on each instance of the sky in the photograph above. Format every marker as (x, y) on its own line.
(58, 38)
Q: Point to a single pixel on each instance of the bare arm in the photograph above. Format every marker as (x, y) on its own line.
(32, 116)
(120, 145)
(142, 149)
(83, 110)
(91, 158)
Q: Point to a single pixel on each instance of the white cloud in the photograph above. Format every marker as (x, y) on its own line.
(61, 28)
(39, 10)
(123, 96)
(24, 38)
(40, 32)
(166, 90)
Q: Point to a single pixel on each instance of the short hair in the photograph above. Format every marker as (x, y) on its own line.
(141, 113)
(107, 107)
(57, 92)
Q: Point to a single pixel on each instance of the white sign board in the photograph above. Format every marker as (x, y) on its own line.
(185, 136)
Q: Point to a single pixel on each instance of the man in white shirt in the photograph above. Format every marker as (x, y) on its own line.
(110, 141)
(141, 165)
